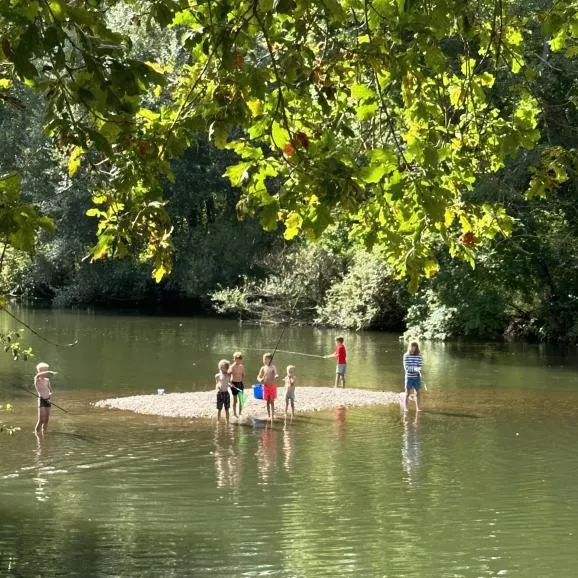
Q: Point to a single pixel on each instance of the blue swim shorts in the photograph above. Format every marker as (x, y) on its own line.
(412, 382)
(340, 369)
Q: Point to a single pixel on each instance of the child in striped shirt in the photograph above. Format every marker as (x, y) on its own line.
(412, 364)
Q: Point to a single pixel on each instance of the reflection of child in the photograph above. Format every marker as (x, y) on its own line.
(223, 381)
(412, 364)
(290, 389)
(267, 376)
(44, 390)
(340, 355)
(237, 373)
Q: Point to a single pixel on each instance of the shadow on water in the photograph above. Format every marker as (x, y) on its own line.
(77, 436)
(451, 414)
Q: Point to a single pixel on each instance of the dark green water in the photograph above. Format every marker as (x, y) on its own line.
(482, 484)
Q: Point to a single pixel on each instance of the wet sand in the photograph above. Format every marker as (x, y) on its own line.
(203, 404)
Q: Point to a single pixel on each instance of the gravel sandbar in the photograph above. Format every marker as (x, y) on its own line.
(203, 404)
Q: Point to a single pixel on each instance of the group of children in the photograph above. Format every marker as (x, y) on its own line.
(231, 377)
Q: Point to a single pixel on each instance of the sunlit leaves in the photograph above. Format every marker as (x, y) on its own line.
(378, 114)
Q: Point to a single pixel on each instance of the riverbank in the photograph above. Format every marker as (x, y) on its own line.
(203, 404)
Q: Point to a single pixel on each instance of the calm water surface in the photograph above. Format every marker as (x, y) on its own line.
(482, 484)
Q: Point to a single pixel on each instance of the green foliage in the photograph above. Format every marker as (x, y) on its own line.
(460, 302)
(10, 341)
(295, 282)
(367, 297)
(379, 115)
(6, 428)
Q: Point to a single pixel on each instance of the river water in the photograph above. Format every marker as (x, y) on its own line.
(481, 484)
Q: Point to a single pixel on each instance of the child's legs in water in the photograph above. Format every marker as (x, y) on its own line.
(235, 405)
(40, 420)
(292, 407)
(43, 415)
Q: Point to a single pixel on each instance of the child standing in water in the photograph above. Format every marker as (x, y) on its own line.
(267, 376)
(412, 364)
(237, 373)
(223, 381)
(340, 355)
(290, 390)
(44, 391)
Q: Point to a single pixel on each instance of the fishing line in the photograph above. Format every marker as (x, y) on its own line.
(17, 319)
(38, 397)
(285, 351)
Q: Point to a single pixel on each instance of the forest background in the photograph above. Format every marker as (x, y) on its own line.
(520, 281)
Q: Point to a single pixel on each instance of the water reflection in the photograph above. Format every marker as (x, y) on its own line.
(288, 448)
(340, 420)
(411, 450)
(40, 480)
(267, 452)
(228, 463)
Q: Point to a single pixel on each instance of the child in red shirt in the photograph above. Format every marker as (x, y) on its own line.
(340, 355)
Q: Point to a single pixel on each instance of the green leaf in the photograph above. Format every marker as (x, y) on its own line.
(292, 225)
(366, 111)
(361, 92)
(218, 134)
(159, 273)
(74, 160)
(558, 43)
(238, 173)
(279, 135)
(372, 174)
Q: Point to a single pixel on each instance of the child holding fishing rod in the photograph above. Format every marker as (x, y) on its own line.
(268, 376)
(44, 392)
(340, 356)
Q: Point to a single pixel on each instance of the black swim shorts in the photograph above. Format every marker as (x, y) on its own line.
(237, 387)
(223, 399)
(43, 402)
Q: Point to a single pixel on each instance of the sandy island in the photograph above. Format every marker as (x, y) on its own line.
(203, 404)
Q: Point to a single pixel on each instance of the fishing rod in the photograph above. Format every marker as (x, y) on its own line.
(287, 323)
(38, 397)
(291, 352)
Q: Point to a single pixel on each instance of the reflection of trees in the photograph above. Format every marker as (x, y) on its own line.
(338, 501)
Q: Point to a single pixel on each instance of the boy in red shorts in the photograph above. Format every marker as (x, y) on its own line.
(267, 376)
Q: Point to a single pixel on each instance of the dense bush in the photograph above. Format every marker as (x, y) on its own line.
(367, 297)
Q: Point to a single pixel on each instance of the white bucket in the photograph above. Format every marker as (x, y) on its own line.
(160, 391)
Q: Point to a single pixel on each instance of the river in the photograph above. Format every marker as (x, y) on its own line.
(481, 484)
